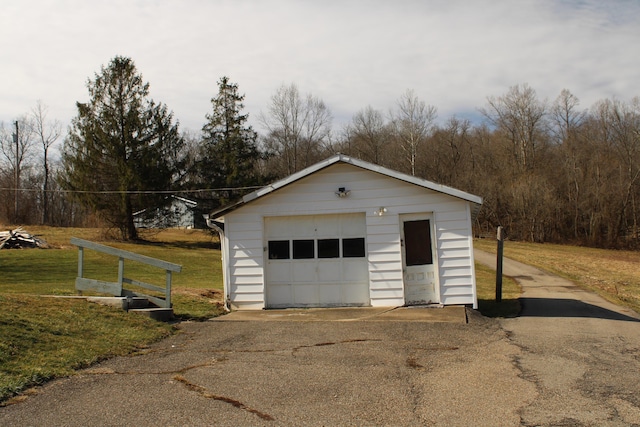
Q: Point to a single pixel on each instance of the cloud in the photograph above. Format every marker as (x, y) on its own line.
(349, 53)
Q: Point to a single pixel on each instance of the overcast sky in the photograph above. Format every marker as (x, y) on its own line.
(453, 54)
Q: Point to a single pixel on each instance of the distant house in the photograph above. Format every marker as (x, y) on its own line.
(180, 213)
(345, 232)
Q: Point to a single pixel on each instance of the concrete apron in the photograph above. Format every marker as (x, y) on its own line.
(450, 314)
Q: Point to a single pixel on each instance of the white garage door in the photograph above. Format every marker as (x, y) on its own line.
(316, 261)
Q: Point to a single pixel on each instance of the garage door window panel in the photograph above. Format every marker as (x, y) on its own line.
(353, 248)
(278, 249)
(304, 249)
(328, 248)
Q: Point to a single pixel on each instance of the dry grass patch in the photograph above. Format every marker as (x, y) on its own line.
(614, 275)
(58, 237)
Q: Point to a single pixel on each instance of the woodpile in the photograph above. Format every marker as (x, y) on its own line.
(20, 239)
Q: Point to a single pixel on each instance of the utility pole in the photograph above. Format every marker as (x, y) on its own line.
(16, 139)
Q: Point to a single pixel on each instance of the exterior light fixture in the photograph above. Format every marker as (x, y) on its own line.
(381, 211)
(342, 192)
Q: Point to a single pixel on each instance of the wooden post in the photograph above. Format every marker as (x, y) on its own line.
(500, 236)
(16, 138)
(80, 265)
(120, 274)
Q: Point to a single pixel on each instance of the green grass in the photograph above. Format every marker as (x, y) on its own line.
(486, 290)
(53, 271)
(43, 338)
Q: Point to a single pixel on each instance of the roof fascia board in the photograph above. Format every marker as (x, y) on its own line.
(417, 181)
(291, 178)
(354, 162)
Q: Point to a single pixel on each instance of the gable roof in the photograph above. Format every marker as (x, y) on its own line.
(341, 158)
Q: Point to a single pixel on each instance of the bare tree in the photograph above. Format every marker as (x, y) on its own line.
(412, 123)
(567, 123)
(451, 148)
(621, 122)
(47, 133)
(16, 146)
(520, 116)
(369, 135)
(565, 116)
(298, 129)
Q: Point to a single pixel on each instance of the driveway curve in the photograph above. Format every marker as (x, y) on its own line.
(581, 351)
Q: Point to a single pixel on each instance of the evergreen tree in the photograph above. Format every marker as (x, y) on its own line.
(122, 147)
(229, 156)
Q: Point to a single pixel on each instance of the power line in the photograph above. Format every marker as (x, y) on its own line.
(202, 190)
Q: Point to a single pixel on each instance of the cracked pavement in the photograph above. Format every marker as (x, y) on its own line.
(581, 352)
(295, 373)
(569, 360)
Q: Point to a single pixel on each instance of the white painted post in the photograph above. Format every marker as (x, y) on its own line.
(80, 264)
(80, 261)
(167, 290)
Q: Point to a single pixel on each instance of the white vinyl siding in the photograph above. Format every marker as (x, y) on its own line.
(455, 255)
(385, 259)
(246, 268)
(315, 195)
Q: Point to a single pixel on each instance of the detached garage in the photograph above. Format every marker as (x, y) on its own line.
(348, 233)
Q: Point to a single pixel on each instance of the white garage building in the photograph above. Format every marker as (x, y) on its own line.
(348, 233)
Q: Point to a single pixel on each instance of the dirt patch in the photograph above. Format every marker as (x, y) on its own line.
(213, 294)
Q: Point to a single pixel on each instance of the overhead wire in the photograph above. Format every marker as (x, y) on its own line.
(201, 190)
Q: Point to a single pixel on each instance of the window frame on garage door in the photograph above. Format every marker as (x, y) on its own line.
(305, 281)
(345, 247)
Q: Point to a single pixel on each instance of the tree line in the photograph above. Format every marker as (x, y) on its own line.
(548, 171)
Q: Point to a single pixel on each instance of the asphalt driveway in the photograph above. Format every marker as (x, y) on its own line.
(581, 352)
(295, 372)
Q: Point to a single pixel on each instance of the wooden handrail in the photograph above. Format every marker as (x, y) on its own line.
(115, 288)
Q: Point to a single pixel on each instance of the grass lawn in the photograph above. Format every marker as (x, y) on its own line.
(486, 290)
(614, 275)
(53, 271)
(43, 338)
